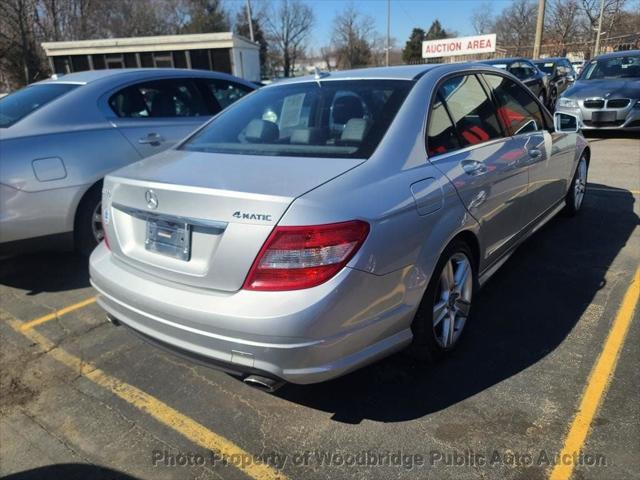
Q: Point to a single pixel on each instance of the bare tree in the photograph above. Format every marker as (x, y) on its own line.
(515, 26)
(563, 23)
(20, 58)
(353, 36)
(288, 28)
(482, 18)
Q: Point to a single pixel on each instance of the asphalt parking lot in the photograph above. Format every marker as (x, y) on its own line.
(535, 375)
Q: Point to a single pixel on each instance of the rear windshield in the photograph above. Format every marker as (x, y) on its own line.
(314, 119)
(623, 66)
(18, 105)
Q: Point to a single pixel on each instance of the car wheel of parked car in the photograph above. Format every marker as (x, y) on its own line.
(578, 187)
(89, 231)
(553, 98)
(446, 305)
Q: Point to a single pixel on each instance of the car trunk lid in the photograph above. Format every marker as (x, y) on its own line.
(199, 219)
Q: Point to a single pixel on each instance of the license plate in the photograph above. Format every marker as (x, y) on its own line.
(169, 238)
(603, 117)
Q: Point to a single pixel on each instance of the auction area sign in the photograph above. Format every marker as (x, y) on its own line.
(448, 47)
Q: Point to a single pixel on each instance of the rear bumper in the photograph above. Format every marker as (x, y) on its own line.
(303, 336)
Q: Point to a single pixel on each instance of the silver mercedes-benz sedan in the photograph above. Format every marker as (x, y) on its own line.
(607, 93)
(59, 137)
(322, 223)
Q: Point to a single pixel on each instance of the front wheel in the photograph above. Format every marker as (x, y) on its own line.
(446, 305)
(578, 187)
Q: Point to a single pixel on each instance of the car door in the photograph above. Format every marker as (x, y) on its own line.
(547, 155)
(154, 115)
(466, 141)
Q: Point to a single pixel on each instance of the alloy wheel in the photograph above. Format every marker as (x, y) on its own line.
(96, 223)
(452, 300)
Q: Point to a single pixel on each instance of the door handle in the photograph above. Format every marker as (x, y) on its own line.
(151, 139)
(474, 167)
(535, 153)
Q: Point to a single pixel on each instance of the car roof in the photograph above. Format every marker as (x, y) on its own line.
(89, 76)
(549, 59)
(504, 60)
(621, 53)
(402, 72)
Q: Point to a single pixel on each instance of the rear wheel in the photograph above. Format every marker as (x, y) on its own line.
(89, 231)
(446, 305)
(578, 188)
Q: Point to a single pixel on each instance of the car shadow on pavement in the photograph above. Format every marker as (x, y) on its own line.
(524, 312)
(70, 471)
(45, 272)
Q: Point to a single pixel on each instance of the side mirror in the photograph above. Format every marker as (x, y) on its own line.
(565, 122)
(571, 78)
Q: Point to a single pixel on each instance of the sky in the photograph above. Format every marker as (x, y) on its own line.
(405, 15)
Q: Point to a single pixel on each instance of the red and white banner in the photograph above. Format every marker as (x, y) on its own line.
(448, 47)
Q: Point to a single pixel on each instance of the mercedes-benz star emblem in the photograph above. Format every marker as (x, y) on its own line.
(152, 199)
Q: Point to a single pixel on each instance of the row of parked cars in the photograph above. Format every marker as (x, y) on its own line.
(604, 93)
(314, 226)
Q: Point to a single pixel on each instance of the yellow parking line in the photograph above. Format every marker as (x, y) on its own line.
(160, 411)
(598, 383)
(58, 313)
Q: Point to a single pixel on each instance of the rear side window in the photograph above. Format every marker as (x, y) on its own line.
(226, 92)
(441, 136)
(160, 99)
(18, 105)
(522, 70)
(471, 110)
(518, 110)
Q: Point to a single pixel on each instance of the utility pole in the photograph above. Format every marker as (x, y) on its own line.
(250, 20)
(539, 28)
(596, 48)
(388, 32)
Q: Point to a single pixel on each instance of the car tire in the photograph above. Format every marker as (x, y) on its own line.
(578, 188)
(553, 98)
(88, 226)
(433, 337)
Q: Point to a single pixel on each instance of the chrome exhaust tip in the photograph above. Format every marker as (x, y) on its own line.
(263, 383)
(113, 320)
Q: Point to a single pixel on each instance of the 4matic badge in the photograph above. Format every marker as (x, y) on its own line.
(252, 216)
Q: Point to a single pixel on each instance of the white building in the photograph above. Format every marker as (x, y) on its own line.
(223, 52)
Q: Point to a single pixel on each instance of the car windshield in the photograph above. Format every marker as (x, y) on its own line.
(624, 66)
(18, 105)
(546, 67)
(332, 118)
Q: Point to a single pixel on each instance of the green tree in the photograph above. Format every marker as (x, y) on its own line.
(206, 16)
(436, 32)
(412, 51)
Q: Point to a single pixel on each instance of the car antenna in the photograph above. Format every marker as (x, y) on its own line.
(318, 75)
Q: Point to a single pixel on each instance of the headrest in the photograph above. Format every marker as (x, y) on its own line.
(354, 132)
(163, 105)
(346, 108)
(261, 131)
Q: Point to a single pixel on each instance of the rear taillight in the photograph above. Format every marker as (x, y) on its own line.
(302, 257)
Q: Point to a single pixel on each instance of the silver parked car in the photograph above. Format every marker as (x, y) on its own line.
(607, 93)
(58, 138)
(322, 223)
